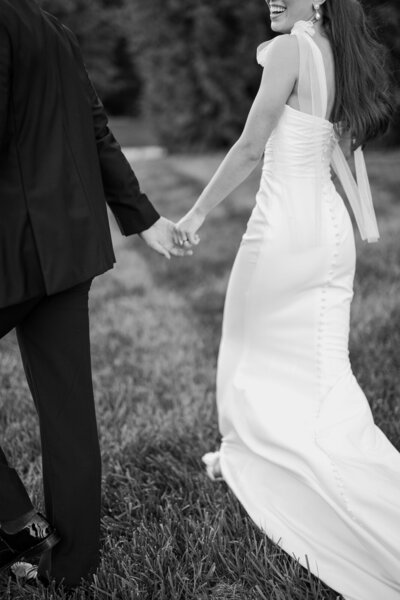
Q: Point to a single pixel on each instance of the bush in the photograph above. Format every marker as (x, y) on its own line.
(385, 17)
(197, 59)
(102, 28)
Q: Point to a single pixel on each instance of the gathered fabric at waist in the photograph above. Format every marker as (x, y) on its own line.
(300, 146)
(280, 164)
(284, 170)
(280, 180)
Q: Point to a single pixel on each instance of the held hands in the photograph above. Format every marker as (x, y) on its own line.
(186, 229)
(177, 240)
(161, 238)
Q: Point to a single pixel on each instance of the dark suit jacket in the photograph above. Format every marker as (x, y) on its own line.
(59, 162)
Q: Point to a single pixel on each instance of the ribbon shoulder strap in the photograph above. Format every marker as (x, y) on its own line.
(358, 193)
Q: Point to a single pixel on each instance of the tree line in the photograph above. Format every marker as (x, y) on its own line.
(189, 65)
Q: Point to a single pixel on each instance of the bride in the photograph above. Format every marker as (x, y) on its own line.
(300, 449)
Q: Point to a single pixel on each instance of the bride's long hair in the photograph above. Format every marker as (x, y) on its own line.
(363, 104)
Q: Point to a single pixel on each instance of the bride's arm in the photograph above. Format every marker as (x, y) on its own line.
(278, 80)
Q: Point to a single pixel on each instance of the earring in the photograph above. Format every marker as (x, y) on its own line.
(317, 13)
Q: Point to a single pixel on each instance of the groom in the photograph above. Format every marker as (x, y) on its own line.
(59, 165)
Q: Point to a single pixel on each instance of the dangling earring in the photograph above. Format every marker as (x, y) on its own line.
(317, 13)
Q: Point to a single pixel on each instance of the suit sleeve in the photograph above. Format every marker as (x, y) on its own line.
(131, 207)
(5, 77)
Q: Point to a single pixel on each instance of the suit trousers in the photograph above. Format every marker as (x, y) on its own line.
(53, 337)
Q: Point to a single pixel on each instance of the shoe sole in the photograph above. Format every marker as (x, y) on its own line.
(36, 550)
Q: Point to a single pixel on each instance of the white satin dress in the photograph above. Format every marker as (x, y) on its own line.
(300, 449)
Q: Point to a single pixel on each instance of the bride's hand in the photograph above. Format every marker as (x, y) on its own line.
(186, 229)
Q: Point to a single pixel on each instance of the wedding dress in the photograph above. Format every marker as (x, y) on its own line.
(300, 449)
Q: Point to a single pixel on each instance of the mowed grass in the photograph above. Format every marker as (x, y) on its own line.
(168, 533)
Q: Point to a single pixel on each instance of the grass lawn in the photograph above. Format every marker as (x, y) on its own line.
(168, 533)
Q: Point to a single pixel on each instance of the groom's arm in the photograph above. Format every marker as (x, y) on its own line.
(131, 207)
(5, 78)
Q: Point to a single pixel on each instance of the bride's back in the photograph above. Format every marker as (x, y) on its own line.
(325, 49)
(314, 92)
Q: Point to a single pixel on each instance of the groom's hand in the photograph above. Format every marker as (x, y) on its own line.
(160, 237)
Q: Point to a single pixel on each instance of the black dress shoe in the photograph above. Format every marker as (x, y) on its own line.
(32, 540)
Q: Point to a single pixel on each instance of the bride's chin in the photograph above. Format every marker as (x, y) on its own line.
(279, 24)
(279, 28)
